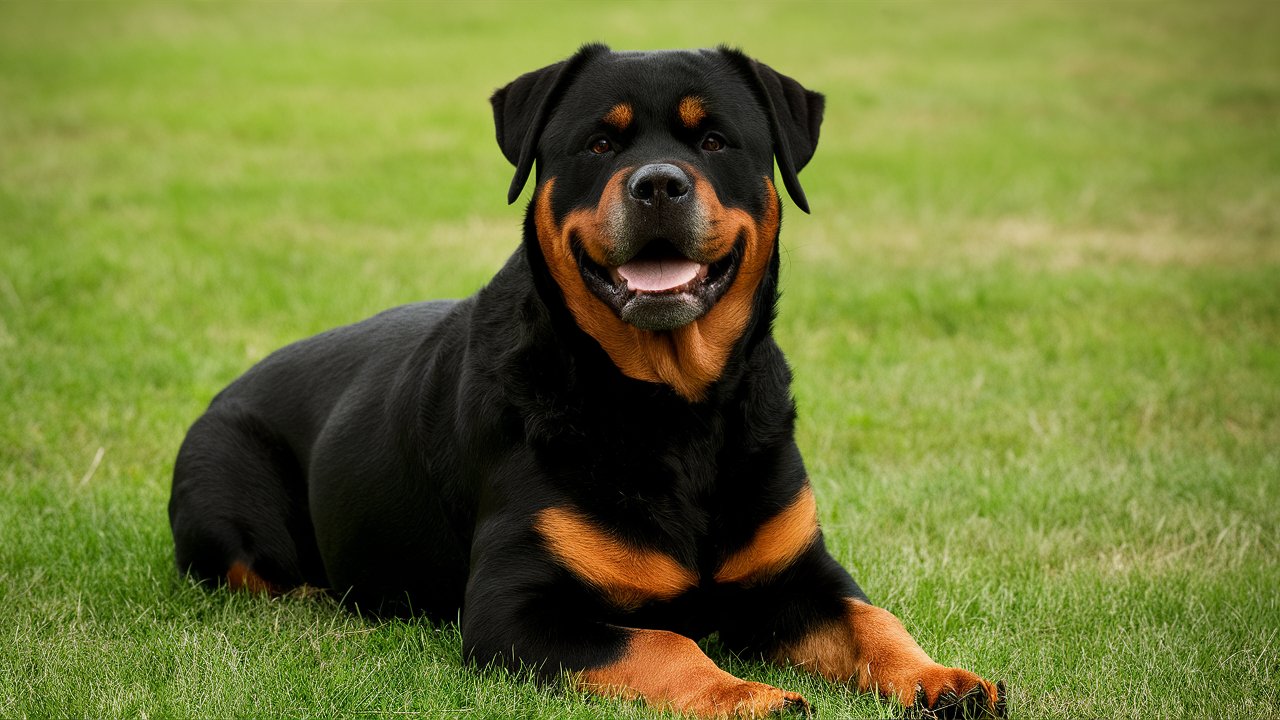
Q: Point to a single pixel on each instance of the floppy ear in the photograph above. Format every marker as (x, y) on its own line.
(521, 109)
(795, 115)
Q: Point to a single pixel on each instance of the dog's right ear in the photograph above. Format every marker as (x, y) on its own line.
(795, 114)
(521, 109)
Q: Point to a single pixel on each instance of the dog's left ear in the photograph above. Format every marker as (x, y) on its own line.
(521, 109)
(795, 115)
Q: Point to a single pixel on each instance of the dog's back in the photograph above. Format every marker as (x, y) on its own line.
(241, 507)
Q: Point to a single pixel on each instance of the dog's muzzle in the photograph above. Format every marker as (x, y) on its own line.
(663, 267)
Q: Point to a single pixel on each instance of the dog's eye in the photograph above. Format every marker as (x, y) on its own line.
(601, 146)
(713, 143)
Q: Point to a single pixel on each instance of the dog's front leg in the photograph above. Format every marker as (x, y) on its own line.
(869, 646)
(526, 609)
(813, 616)
(665, 669)
(669, 671)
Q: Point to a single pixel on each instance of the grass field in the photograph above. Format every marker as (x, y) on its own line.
(1034, 320)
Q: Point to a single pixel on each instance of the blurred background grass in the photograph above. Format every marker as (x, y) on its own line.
(1034, 319)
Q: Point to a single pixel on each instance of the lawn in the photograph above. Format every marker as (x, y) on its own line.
(1034, 320)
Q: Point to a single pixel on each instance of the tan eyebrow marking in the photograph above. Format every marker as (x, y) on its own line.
(692, 111)
(619, 116)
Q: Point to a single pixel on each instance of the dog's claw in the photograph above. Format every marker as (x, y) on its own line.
(919, 704)
(798, 707)
(975, 703)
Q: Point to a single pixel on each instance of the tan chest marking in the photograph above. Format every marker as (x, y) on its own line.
(776, 544)
(627, 575)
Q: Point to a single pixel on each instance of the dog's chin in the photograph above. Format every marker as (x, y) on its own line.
(660, 289)
(649, 311)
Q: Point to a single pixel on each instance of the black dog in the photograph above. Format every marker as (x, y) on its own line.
(592, 457)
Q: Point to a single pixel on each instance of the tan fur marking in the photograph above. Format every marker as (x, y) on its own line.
(240, 577)
(619, 116)
(689, 358)
(692, 111)
(629, 576)
(670, 672)
(776, 544)
(871, 646)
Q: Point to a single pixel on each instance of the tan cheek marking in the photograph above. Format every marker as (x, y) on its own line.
(776, 544)
(692, 111)
(619, 339)
(619, 116)
(590, 225)
(627, 575)
(703, 346)
(670, 672)
(591, 314)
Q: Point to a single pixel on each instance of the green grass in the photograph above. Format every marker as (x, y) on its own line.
(1034, 320)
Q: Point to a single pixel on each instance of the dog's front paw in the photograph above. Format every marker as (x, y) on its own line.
(744, 699)
(947, 692)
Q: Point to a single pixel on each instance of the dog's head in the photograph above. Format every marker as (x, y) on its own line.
(655, 208)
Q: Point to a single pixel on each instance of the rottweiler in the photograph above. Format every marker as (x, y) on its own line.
(592, 459)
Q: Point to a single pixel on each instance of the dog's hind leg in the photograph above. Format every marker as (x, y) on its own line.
(239, 507)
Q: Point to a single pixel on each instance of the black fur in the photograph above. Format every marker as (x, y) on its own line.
(400, 461)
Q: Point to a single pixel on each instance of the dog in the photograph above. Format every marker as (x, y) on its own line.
(592, 458)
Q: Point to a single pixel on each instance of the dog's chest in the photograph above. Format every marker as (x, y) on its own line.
(661, 507)
(630, 572)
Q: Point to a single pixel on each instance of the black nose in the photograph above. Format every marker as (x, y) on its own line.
(658, 182)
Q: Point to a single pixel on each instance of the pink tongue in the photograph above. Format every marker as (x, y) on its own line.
(658, 275)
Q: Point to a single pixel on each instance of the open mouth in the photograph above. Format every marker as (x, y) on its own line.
(660, 288)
